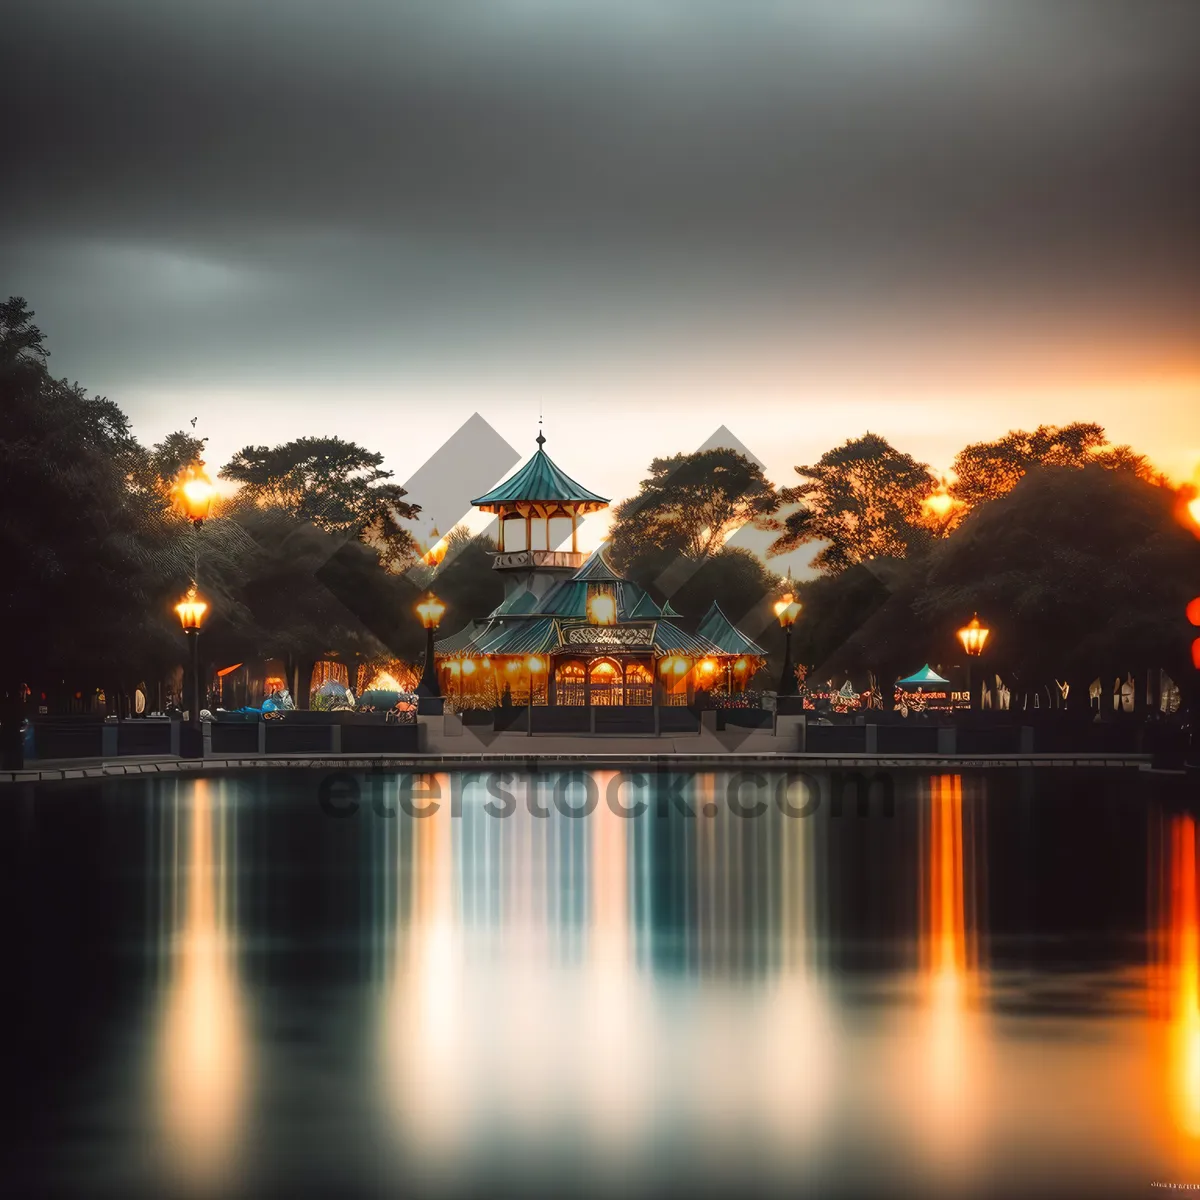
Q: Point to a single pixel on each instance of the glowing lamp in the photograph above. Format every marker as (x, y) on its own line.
(535, 664)
(1193, 511)
(680, 666)
(468, 667)
(195, 491)
(664, 667)
(742, 664)
(708, 666)
(787, 609)
(602, 609)
(430, 611)
(453, 666)
(973, 635)
(191, 610)
(1193, 611)
(512, 666)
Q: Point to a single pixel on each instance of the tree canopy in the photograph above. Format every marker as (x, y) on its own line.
(987, 470)
(98, 555)
(689, 504)
(863, 499)
(339, 486)
(1077, 572)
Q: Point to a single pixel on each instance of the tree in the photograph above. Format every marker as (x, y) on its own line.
(863, 499)
(736, 579)
(170, 456)
(689, 505)
(338, 486)
(1078, 572)
(987, 470)
(76, 533)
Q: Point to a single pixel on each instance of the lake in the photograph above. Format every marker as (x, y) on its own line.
(292, 983)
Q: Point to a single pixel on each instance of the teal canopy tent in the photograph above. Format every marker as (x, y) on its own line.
(925, 677)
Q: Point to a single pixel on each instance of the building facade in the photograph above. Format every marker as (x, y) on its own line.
(572, 631)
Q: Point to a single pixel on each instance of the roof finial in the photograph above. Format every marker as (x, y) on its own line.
(541, 437)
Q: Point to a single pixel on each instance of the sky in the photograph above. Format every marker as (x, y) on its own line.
(934, 219)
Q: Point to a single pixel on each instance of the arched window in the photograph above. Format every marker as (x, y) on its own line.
(639, 684)
(570, 683)
(605, 681)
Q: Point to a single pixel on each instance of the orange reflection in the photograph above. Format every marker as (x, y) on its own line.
(950, 978)
(1178, 972)
(202, 1051)
(425, 1032)
(616, 1067)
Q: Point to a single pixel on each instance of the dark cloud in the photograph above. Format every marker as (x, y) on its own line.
(457, 174)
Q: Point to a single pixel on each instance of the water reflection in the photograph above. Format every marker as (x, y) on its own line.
(544, 980)
(954, 1071)
(454, 1003)
(1176, 936)
(202, 1056)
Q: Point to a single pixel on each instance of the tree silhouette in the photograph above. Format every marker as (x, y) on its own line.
(863, 499)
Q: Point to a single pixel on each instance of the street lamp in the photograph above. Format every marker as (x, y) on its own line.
(430, 611)
(191, 610)
(973, 636)
(787, 609)
(196, 493)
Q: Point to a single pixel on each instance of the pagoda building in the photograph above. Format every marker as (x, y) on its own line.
(573, 631)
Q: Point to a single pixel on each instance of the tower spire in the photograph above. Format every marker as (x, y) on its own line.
(541, 437)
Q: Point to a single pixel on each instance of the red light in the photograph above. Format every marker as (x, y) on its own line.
(1193, 611)
(1196, 654)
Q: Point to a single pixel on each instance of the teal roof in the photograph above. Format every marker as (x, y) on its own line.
(597, 568)
(515, 605)
(670, 639)
(719, 628)
(540, 480)
(455, 642)
(646, 610)
(668, 610)
(520, 637)
(925, 675)
(568, 598)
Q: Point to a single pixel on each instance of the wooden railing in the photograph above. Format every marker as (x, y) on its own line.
(540, 558)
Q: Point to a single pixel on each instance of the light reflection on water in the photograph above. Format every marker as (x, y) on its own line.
(845, 1005)
(1176, 939)
(202, 1052)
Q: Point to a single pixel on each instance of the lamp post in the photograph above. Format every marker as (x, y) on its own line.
(191, 610)
(430, 611)
(787, 609)
(973, 636)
